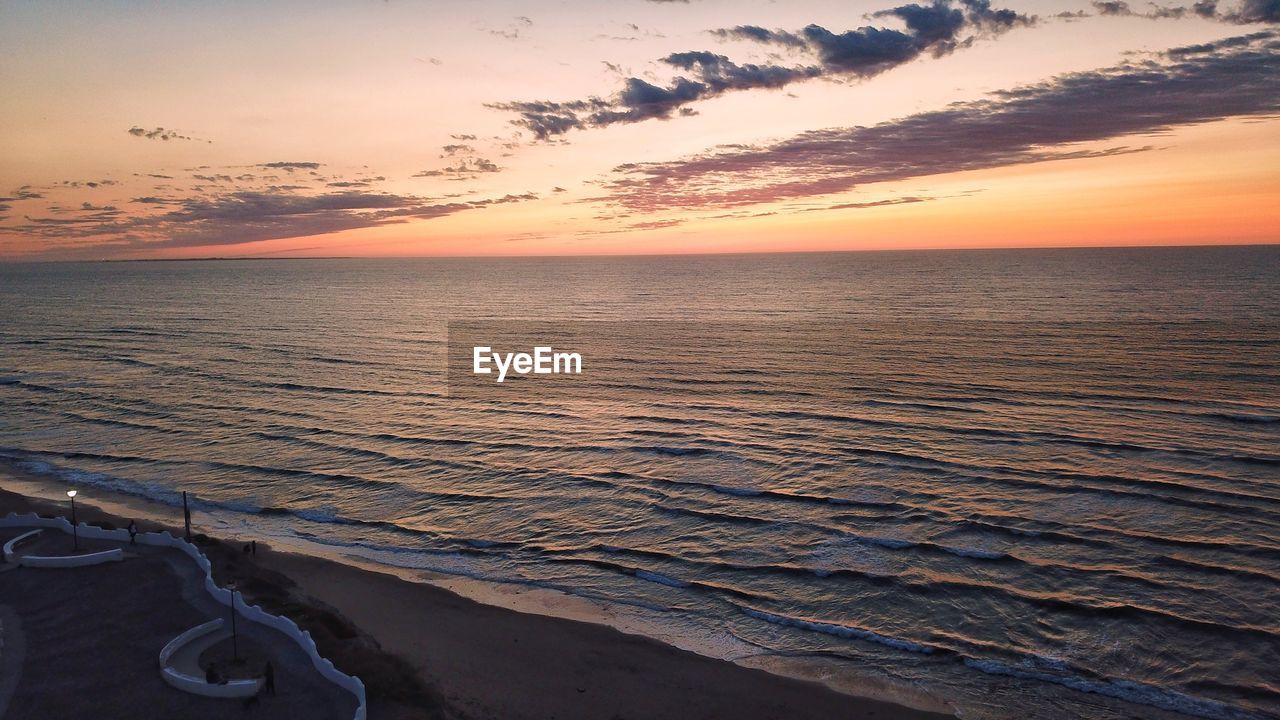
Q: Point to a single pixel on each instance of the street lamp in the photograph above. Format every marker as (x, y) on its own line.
(75, 528)
(235, 650)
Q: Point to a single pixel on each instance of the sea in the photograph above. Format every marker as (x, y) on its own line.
(1038, 483)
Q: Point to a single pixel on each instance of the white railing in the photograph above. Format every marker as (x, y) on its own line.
(254, 613)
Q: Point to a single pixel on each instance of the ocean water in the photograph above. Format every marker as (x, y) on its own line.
(1038, 483)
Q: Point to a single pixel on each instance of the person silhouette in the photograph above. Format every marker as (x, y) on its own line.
(269, 679)
(133, 533)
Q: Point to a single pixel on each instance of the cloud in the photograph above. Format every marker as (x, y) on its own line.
(655, 224)
(240, 217)
(466, 168)
(1235, 77)
(937, 28)
(908, 200)
(1119, 8)
(291, 166)
(23, 193)
(1247, 12)
(640, 100)
(1112, 7)
(1256, 11)
(512, 31)
(161, 134)
(86, 183)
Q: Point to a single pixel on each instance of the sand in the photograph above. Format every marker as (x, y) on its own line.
(424, 651)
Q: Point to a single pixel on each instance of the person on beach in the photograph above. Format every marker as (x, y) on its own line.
(133, 533)
(269, 679)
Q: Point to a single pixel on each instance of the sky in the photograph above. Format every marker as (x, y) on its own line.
(133, 130)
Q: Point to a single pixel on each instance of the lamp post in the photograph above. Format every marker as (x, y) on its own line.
(235, 650)
(75, 527)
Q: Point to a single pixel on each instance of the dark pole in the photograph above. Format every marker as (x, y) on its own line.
(75, 527)
(186, 515)
(235, 649)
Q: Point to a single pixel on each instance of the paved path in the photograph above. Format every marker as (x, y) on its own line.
(94, 634)
(12, 653)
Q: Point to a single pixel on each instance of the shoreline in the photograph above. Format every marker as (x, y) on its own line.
(498, 652)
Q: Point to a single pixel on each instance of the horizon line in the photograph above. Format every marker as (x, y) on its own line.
(216, 258)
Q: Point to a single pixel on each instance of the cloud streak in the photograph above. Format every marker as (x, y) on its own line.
(161, 134)
(938, 28)
(1235, 77)
(238, 217)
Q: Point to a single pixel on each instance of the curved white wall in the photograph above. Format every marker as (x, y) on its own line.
(199, 685)
(9, 552)
(68, 561)
(254, 613)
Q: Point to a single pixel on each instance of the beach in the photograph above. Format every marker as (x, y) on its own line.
(470, 660)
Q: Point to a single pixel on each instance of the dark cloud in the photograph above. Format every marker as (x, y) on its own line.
(456, 148)
(1119, 8)
(642, 100)
(547, 118)
(1112, 7)
(512, 31)
(86, 183)
(1247, 12)
(1256, 11)
(760, 35)
(505, 199)
(654, 224)
(466, 168)
(1235, 77)
(291, 166)
(23, 193)
(463, 137)
(161, 134)
(909, 200)
(241, 217)
(1206, 8)
(937, 28)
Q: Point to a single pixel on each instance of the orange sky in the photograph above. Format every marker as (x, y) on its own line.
(380, 121)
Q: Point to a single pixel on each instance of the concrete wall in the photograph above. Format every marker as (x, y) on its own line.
(198, 685)
(9, 548)
(251, 612)
(70, 561)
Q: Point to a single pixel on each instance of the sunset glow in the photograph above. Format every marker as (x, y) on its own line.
(562, 128)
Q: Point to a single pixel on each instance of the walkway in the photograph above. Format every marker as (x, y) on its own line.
(93, 635)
